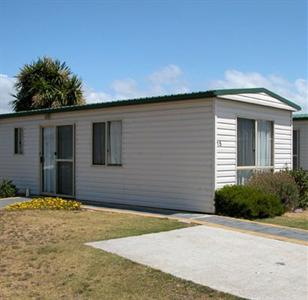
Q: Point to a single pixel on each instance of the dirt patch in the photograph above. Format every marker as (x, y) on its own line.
(43, 256)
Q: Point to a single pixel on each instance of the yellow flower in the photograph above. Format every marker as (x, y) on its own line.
(46, 203)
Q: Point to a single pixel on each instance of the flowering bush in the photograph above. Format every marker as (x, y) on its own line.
(46, 203)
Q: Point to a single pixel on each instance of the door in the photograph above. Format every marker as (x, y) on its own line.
(48, 160)
(58, 160)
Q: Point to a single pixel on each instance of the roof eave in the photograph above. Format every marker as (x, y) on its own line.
(300, 117)
(151, 100)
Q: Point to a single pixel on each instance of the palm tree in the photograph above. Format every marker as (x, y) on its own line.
(46, 83)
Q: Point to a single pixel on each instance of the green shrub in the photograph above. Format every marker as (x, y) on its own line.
(246, 202)
(7, 189)
(301, 178)
(46, 203)
(281, 184)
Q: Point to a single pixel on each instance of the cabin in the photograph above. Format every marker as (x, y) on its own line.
(300, 141)
(168, 152)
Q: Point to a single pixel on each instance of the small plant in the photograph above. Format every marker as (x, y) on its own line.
(281, 184)
(246, 202)
(301, 178)
(46, 203)
(7, 189)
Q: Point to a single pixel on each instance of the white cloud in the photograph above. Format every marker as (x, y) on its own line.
(168, 74)
(126, 89)
(170, 80)
(167, 80)
(6, 89)
(92, 96)
(119, 90)
(296, 91)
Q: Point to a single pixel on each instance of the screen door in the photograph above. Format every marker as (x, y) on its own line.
(48, 160)
(58, 160)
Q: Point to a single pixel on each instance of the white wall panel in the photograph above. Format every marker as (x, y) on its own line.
(227, 113)
(302, 126)
(168, 156)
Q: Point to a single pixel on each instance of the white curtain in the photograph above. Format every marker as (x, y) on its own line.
(49, 159)
(264, 135)
(115, 143)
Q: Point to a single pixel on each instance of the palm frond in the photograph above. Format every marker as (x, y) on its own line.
(45, 83)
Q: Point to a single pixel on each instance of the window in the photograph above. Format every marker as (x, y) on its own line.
(18, 141)
(254, 147)
(114, 142)
(107, 143)
(296, 147)
(99, 143)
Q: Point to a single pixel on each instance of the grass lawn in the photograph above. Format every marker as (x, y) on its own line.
(43, 256)
(297, 220)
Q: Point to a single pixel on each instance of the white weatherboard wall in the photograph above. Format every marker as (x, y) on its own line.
(227, 113)
(302, 126)
(258, 99)
(22, 169)
(168, 158)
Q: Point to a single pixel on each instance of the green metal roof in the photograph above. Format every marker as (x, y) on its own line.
(148, 100)
(300, 117)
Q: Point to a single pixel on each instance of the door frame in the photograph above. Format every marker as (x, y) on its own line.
(57, 160)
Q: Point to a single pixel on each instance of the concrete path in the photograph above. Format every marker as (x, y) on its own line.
(273, 231)
(7, 201)
(237, 263)
(291, 233)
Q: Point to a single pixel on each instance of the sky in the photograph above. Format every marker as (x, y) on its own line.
(128, 49)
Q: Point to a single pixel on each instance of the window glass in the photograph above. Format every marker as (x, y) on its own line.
(65, 178)
(18, 141)
(48, 159)
(115, 143)
(296, 149)
(245, 142)
(99, 142)
(243, 176)
(65, 142)
(264, 143)
(254, 147)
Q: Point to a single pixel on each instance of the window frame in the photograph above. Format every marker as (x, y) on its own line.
(106, 163)
(256, 167)
(19, 143)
